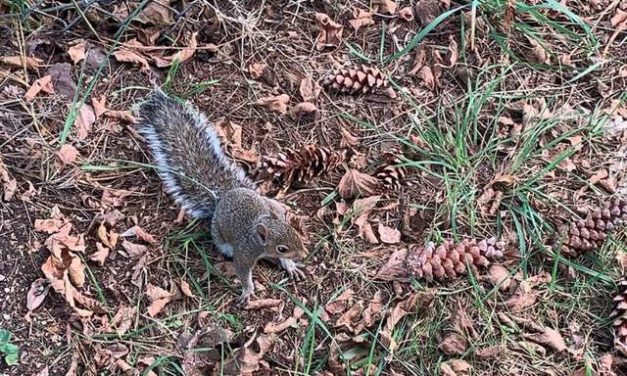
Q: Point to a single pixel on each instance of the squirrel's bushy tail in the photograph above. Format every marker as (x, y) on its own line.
(187, 154)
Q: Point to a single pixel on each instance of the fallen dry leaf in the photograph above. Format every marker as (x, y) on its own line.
(77, 51)
(452, 53)
(49, 226)
(361, 210)
(303, 108)
(538, 52)
(490, 353)
(349, 140)
(123, 319)
(140, 233)
(264, 304)
(550, 338)
(453, 344)
(330, 34)
(134, 250)
(598, 176)
(455, 367)
(58, 278)
(85, 117)
(230, 134)
(99, 106)
(276, 103)
(9, 184)
(360, 19)
(249, 359)
(180, 56)
(406, 14)
(159, 299)
(114, 197)
(101, 254)
(389, 235)
(462, 323)
(309, 89)
(157, 306)
(76, 272)
(42, 84)
(524, 297)
(387, 6)
(425, 73)
(348, 318)
(67, 154)
(499, 276)
(395, 268)
(340, 303)
(355, 183)
(37, 293)
(279, 327)
(157, 12)
(20, 61)
(256, 70)
(619, 18)
(125, 116)
(108, 238)
(364, 206)
(125, 55)
(372, 311)
(420, 300)
(186, 290)
(490, 201)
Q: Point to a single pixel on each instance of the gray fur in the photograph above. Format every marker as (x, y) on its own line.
(187, 153)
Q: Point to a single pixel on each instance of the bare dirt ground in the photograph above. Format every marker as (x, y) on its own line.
(493, 129)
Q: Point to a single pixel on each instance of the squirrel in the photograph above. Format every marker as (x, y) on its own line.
(245, 225)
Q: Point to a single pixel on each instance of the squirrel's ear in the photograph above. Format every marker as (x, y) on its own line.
(263, 232)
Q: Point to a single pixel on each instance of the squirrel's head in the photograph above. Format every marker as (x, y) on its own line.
(279, 238)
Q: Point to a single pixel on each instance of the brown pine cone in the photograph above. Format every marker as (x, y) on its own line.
(619, 315)
(391, 174)
(584, 235)
(361, 79)
(298, 166)
(448, 260)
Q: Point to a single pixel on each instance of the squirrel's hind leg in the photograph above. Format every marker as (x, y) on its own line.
(223, 246)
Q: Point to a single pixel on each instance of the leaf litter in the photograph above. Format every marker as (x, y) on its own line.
(358, 312)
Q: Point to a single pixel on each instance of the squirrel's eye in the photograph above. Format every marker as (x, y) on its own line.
(282, 249)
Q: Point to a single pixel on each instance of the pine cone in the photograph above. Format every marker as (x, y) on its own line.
(448, 260)
(361, 79)
(298, 166)
(391, 174)
(619, 315)
(584, 235)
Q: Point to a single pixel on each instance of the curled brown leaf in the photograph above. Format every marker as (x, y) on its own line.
(389, 235)
(67, 154)
(330, 34)
(37, 293)
(276, 103)
(361, 18)
(355, 183)
(42, 84)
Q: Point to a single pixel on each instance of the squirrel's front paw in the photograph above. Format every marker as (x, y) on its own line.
(243, 300)
(293, 269)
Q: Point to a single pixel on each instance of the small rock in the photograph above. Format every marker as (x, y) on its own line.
(62, 80)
